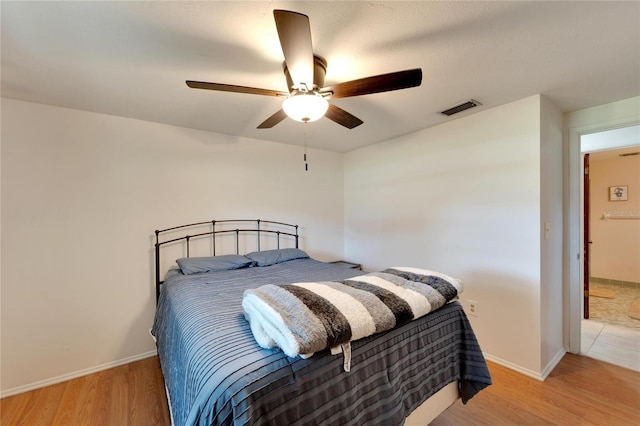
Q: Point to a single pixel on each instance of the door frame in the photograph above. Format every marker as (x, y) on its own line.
(586, 207)
(574, 260)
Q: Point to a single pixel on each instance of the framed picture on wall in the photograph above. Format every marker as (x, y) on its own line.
(618, 193)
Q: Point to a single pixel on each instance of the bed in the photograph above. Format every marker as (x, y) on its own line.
(216, 374)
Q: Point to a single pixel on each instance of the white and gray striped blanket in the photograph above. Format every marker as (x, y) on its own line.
(307, 317)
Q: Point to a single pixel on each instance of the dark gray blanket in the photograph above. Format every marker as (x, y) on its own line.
(303, 318)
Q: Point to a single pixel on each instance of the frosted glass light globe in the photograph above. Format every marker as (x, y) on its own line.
(305, 106)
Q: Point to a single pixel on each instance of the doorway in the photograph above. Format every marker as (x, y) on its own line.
(609, 271)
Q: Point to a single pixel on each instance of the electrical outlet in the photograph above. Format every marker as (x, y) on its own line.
(473, 308)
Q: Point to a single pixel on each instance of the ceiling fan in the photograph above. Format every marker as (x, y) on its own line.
(307, 99)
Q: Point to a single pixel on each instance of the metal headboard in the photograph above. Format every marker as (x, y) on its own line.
(287, 230)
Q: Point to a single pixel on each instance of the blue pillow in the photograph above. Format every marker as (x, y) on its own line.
(196, 265)
(271, 257)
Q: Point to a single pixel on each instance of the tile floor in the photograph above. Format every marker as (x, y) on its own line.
(610, 335)
(614, 310)
(611, 343)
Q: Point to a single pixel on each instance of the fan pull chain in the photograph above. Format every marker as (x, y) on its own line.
(306, 165)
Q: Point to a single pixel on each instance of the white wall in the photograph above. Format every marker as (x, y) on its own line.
(465, 198)
(551, 216)
(82, 194)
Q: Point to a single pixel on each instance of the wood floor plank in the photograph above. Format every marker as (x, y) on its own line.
(43, 406)
(102, 401)
(82, 415)
(146, 393)
(13, 408)
(70, 402)
(579, 391)
(118, 409)
(104, 398)
(549, 402)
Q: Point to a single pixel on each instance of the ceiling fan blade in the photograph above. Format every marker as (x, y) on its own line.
(376, 84)
(235, 89)
(342, 117)
(294, 32)
(273, 120)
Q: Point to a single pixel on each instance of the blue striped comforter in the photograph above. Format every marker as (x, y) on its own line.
(217, 374)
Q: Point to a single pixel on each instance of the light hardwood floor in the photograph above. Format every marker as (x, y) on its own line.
(132, 394)
(580, 391)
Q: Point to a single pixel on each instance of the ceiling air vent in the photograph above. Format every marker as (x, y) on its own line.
(462, 107)
(629, 154)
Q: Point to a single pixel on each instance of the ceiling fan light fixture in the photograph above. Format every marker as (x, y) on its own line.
(307, 98)
(305, 106)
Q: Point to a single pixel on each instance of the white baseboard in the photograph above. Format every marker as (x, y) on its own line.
(514, 367)
(75, 374)
(534, 374)
(552, 364)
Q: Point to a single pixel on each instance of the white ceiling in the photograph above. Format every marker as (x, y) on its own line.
(131, 59)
